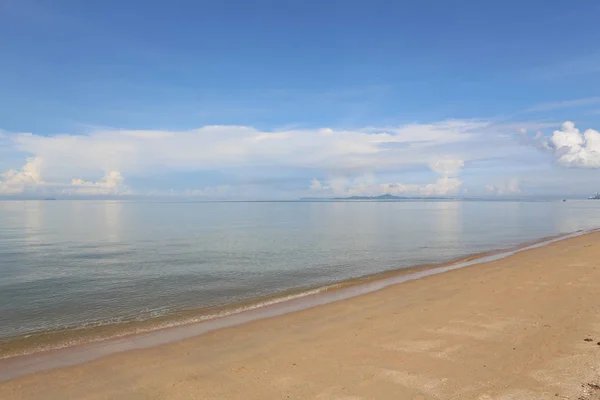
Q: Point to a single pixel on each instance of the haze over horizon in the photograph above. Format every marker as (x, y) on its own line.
(287, 99)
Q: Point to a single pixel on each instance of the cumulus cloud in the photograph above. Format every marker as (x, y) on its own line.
(447, 167)
(214, 147)
(241, 153)
(572, 148)
(511, 187)
(444, 186)
(220, 192)
(316, 185)
(111, 184)
(28, 179)
(19, 181)
(368, 185)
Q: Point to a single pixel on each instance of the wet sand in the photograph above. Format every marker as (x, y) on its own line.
(523, 327)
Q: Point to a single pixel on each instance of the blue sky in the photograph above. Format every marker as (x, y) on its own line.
(285, 99)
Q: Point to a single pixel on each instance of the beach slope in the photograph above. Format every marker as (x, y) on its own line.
(524, 327)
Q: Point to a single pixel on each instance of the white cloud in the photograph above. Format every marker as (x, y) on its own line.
(572, 148)
(444, 186)
(220, 192)
(368, 185)
(29, 180)
(511, 187)
(316, 185)
(18, 181)
(448, 167)
(111, 184)
(214, 147)
(349, 158)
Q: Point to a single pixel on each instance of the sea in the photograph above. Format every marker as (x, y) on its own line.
(95, 269)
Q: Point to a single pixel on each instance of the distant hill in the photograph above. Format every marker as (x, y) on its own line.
(387, 197)
(378, 198)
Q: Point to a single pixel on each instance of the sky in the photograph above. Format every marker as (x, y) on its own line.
(285, 99)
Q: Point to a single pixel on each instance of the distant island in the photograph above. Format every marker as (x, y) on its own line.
(377, 198)
(388, 197)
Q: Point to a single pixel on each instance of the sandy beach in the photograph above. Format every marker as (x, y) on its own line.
(524, 327)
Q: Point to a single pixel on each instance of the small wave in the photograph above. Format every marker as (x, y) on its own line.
(147, 316)
(250, 307)
(178, 320)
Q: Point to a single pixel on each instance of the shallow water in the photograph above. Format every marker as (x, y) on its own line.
(77, 264)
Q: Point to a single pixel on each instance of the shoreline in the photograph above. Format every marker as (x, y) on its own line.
(44, 341)
(78, 352)
(522, 327)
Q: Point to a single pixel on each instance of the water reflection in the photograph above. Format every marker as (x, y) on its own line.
(66, 263)
(34, 214)
(448, 225)
(112, 220)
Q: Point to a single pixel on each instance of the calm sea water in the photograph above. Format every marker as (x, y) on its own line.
(68, 264)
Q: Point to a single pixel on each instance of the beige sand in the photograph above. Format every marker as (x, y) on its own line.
(509, 329)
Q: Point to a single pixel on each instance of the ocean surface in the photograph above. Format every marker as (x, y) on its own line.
(73, 265)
